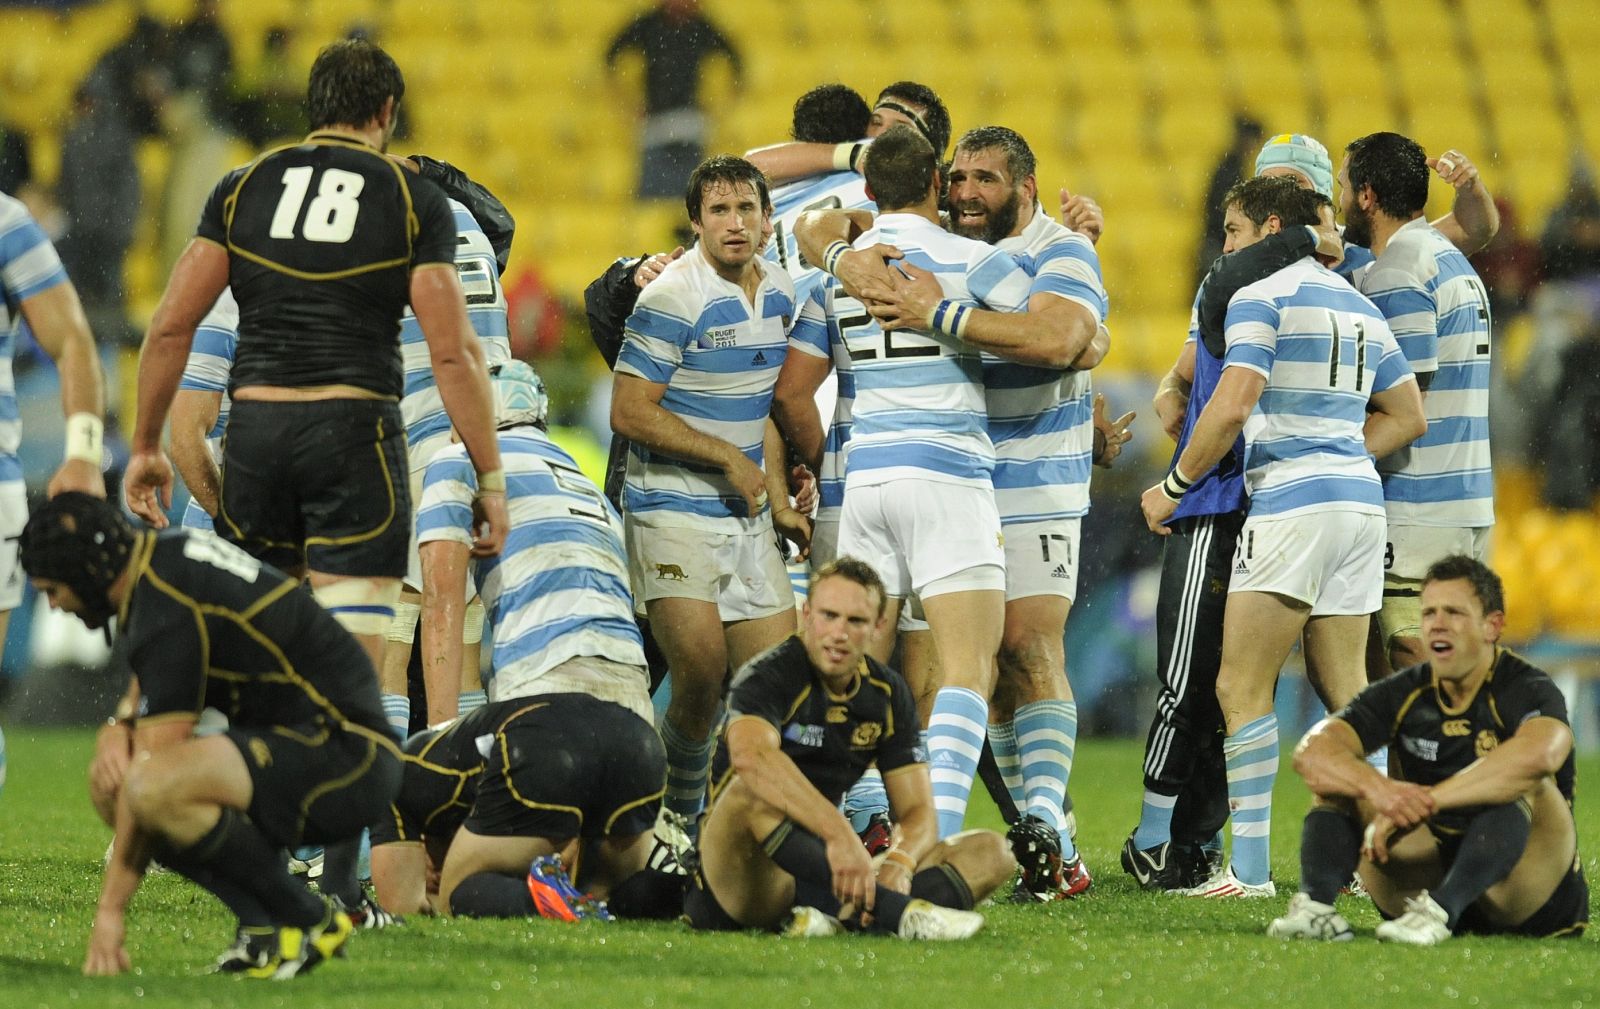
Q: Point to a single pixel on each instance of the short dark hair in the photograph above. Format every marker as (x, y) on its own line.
(350, 81)
(830, 114)
(1396, 168)
(854, 570)
(723, 169)
(1485, 583)
(899, 167)
(1020, 162)
(1264, 196)
(934, 119)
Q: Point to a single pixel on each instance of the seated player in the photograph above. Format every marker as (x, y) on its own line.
(805, 719)
(554, 780)
(306, 757)
(1473, 830)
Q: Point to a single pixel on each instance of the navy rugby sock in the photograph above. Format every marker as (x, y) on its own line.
(238, 852)
(649, 893)
(1495, 839)
(244, 905)
(339, 871)
(802, 855)
(944, 886)
(493, 895)
(1330, 849)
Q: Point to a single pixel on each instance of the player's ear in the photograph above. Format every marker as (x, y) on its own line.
(1030, 190)
(1272, 225)
(1495, 624)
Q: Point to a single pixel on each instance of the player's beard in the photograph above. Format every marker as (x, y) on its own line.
(997, 225)
(1358, 227)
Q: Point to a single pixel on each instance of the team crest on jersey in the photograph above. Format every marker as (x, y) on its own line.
(866, 734)
(721, 339)
(1485, 742)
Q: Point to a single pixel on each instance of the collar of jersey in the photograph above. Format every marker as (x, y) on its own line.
(339, 138)
(855, 684)
(1487, 679)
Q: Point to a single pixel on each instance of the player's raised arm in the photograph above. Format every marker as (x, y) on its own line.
(56, 317)
(1473, 220)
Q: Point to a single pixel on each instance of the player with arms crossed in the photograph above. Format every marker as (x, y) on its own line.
(306, 756)
(1472, 831)
(804, 721)
(1306, 359)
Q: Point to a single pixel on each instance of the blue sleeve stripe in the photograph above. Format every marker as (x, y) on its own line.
(1251, 310)
(1250, 355)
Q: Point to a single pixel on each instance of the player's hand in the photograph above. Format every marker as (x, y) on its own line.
(907, 303)
(113, 752)
(1083, 215)
(1171, 407)
(859, 269)
(1403, 803)
(652, 266)
(1330, 243)
(490, 524)
(1158, 509)
(853, 878)
(749, 480)
(1375, 840)
(1110, 435)
(106, 956)
(795, 527)
(803, 486)
(1453, 167)
(147, 486)
(79, 475)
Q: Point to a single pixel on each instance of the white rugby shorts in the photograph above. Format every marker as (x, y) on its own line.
(742, 573)
(925, 536)
(1332, 561)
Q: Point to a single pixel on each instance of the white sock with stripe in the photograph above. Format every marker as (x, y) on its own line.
(955, 741)
(1252, 757)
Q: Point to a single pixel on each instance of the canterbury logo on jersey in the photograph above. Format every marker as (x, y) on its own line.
(1456, 727)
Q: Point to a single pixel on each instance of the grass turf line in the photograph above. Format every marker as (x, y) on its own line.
(1117, 947)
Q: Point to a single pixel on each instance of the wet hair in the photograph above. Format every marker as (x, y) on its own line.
(1396, 168)
(83, 543)
(727, 170)
(854, 570)
(1020, 162)
(830, 114)
(899, 167)
(1485, 583)
(1263, 196)
(934, 120)
(350, 81)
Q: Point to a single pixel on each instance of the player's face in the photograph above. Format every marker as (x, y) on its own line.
(837, 624)
(1357, 222)
(985, 202)
(1240, 231)
(1458, 636)
(731, 223)
(62, 598)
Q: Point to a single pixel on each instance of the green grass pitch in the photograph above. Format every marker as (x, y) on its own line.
(1116, 947)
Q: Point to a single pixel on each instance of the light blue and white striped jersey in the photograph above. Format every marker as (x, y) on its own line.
(422, 408)
(718, 354)
(207, 370)
(28, 266)
(828, 191)
(1324, 349)
(919, 410)
(822, 337)
(1041, 420)
(559, 589)
(1439, 312)
(1356, 258)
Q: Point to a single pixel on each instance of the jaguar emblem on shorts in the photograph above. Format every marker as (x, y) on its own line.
(260, 754)
(1485, 742)
(671, 571)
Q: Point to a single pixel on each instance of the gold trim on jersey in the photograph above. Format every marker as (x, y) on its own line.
(382, 527)
(635, 804)
(230, 204)
(511, 787)
(337, 783)
(888, 707)
(1488, 678)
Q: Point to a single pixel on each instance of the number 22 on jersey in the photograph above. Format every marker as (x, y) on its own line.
(331, 217)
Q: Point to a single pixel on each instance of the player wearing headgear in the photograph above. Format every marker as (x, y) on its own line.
(502, 799)
(1307, 359)
(557, 597)
(693, 388)
(804, 721)
(916, 105)
(1439, 492)
(306, 756)
(1472, 831)
(323, 244)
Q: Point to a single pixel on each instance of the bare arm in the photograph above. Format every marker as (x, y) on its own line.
(1095, 353)
(786, 520)
(1215, 432)
(637, 415)
(1172, 395)
(911, 800)
(1396, 421)
(794, 405)
(1473, 219)
(1052, 333)
(56, 317)
(194, 414)
(1331, 761)
(1511, 770)
(794, 160)
(444, 606)
(815, 230)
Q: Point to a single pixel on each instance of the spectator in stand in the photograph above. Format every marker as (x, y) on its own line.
(1510, 265)
(1237, 164)
(675, 39)
(271, 102)
(197, 121)
(1571, 239)
(98, 191)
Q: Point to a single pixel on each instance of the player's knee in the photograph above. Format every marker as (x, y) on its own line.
(151, 791)
(402, 629)
(363, 606)
(472, 623)
(1033, 662)
(984, 860)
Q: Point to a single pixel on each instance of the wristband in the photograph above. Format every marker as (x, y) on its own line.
(1176, 484)
(847, 155)
(950, 318)
(902, 859)
(831, 255)
(86, 438)
(492, 482)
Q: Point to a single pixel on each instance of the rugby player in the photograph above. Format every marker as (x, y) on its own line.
(1306, 360)
(804, 720)
(306, 756)
(903, 102)
(1472, 830)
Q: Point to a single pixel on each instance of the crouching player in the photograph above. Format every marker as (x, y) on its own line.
(1472, 831)
(306, 758)
(553, 780)
(805, 719)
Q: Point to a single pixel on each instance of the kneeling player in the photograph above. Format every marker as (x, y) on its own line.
(307, 757)
(554, 780)
(1473, 831)
(804, 721)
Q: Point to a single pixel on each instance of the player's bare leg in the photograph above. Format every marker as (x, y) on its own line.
(981, 857)
(919, 664)
(690, 634)
(1334, 649)
(966, 628)
(399, 639)
(471, 854)
(748, 884)
(749, 638)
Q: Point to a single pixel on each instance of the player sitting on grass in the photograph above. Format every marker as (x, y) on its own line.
(307, 756)
(557, 779)
(1473, 830)
(805, 719)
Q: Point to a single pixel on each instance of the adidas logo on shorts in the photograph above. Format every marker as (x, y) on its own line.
(1060, 572)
